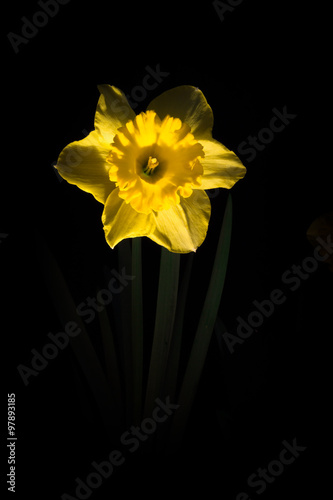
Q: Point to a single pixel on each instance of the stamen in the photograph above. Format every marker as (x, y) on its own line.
(151, 165)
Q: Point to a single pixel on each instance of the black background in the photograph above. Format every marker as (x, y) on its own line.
(275, 386)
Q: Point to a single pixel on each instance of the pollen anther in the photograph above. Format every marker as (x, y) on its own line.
(151, 165)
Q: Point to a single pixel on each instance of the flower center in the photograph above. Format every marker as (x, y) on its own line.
(151, 165)
(155, 162)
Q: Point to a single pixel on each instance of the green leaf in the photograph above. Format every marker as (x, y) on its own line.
(204, 331)
(164, 321)
(81, 344)
(110, 357)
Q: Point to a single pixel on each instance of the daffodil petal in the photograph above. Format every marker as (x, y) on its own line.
(113, 111)
(189, 104)
(222, 167)
(183, 227)
(84, 164)
(121, 221)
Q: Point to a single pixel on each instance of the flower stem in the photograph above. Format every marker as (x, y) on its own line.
(124, 329)
(137, 329)
(171, 383)
(204, 331)
(171, 377)
(164, 320)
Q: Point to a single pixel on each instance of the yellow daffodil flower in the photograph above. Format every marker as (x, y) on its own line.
(151, 170)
